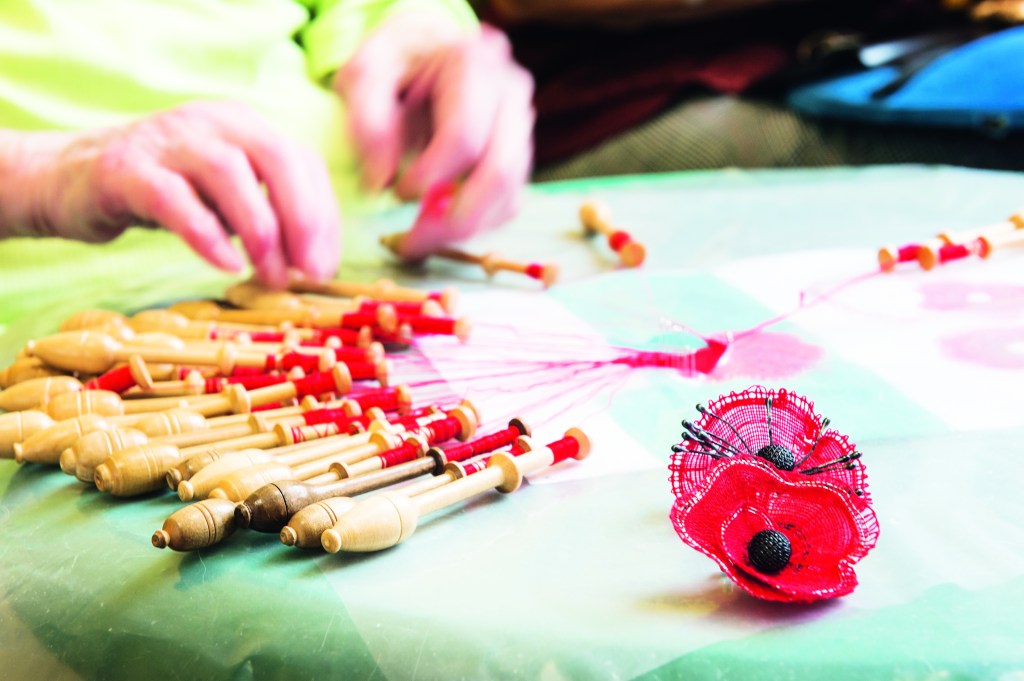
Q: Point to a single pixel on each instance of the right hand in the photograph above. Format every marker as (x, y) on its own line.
(199, 170)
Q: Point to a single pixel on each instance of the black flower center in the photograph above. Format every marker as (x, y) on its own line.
(769, 551)
(778, 456)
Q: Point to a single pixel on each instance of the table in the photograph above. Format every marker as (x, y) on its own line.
(581, 575)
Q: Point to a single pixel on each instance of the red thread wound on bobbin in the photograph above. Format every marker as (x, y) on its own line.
(950, 252)
(116, 380)
(535, 271)
(618, 239)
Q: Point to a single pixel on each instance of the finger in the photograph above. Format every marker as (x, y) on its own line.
(223, 175)
(299, 194)
(371, 83)
(493, 190)
(465, 103)
(318, 254)
(157, 194)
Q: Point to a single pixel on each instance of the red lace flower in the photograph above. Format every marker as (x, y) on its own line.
(777, 540)
(778, 501)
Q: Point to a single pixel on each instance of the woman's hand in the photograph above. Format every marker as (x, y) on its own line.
(204, 171)
(429, 105)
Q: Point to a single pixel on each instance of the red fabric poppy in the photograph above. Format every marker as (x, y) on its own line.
(744, 424)
(743, 497)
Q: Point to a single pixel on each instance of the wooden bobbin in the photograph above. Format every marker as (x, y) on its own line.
(268, 508)
(36, 392)
(91, 318)
(45, 446)
(26, 369)
(989, 243)
(135, 470)
(197, 526)
(238, 486)
(18, 426)
(596, 219)
(171, 422)
(92, 449)
(95, 353)
(207, 468)
(383, 290)
(389, 518)
(308, 524)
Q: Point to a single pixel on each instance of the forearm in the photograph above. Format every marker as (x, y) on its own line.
(30, 181)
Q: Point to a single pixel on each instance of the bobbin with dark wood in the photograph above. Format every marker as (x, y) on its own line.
(389, 518)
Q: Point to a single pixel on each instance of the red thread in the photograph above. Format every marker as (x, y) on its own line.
(618, 240)
(353, 354)
(215, 385)
(361, 371)
(386, 399)
(428, 325)
(949, 252)
(535, 271)
(566, 448)
(475, 466)
(317, 383)
(270, 364)
(254, 381)
(335, 416)
(348, 337)
(407, 451)
(371, 306)
(116, 380)
(264, 336)
(291, 360)
(483, 445)
(908, 253)
(442, 431)
(357, 320)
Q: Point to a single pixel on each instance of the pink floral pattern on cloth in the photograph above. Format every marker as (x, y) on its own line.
(775, 498)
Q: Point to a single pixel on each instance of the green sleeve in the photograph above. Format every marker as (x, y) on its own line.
(339, 26)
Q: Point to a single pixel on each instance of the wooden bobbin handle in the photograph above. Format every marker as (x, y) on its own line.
(197, 526)
(37, 392)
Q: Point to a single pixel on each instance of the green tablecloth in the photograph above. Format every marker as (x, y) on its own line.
(581, 577)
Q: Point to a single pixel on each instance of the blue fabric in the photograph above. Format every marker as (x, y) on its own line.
(979, 85)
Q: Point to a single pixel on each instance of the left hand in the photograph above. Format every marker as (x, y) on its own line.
(458, 105)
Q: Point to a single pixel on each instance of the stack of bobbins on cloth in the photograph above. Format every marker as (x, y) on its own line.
(283, 402)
